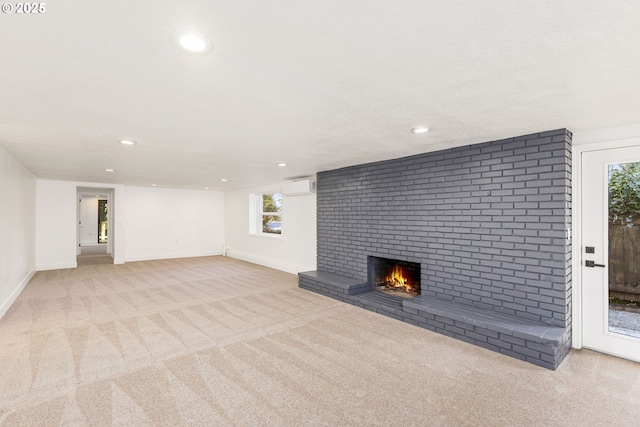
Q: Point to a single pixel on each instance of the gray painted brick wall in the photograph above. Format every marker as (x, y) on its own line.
(487, 222)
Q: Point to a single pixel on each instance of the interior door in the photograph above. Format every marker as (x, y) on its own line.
(610, 252)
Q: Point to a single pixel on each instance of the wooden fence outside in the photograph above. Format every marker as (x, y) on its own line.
(624, 261)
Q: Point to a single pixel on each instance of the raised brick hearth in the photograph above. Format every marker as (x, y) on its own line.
(487, 224)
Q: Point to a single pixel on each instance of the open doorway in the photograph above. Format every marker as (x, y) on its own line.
(94, 235)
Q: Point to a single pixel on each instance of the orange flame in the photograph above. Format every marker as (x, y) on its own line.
(396, 279)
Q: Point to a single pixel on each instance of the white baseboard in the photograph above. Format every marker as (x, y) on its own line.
(268, 262)
(61, 266)
(6, 305)
(167, 256)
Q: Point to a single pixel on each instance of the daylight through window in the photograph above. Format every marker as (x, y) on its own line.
(271, 213)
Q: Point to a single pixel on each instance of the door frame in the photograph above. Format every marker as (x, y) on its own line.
(597, 144)
(110, 192)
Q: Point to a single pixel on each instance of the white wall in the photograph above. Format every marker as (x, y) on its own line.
(17, 229)
(167, 223)
(294, 251)
(149, 223)
(606, 135)
(56, 224)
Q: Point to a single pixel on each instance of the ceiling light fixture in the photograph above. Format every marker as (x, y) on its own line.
(127, 142)
(206, 188)
(192, 41)
(154, 185)
(420, 129)
(109, 170)
(282, 165)
(223, 179)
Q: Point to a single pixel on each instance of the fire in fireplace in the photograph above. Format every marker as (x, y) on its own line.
(395, 277)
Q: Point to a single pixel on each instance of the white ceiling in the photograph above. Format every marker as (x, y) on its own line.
(316, 84)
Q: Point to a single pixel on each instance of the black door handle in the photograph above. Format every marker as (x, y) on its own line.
(593, 264)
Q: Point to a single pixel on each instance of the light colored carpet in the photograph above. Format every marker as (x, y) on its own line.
(94, 249)
(216, 341)
(94, 259)
(94, 255)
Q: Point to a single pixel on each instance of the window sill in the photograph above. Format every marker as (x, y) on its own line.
(267, 236)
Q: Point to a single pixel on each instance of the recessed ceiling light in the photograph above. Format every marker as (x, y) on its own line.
(154, 185)
(282, 165)
(224, 180)
(127, 142)
(420, 129)
(109, 170)
(206, 188)
(192, 41)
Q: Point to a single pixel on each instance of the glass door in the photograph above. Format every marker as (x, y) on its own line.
(624, 248)
(610, 253)
(103, 221)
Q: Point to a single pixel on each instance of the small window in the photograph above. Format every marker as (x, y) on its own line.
(270, 218)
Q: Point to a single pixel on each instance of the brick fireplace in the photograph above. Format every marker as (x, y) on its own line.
(487, 225)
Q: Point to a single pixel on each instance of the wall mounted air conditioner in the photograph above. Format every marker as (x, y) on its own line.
(299, 188)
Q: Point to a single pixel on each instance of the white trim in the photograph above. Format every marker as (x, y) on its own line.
(115, 231)
(15, 294)
(576, 253)
(267, 236)
(61, 266)
(608, 145)
(606, 134)
(171, 256)
(576, 222)
(267, 262)
(256, 214)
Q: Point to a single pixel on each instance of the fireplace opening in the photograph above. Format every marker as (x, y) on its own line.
(395, 277)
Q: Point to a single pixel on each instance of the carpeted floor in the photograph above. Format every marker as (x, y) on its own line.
(98, 249)
(216, 341)
(94, 255)
(94, 259)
